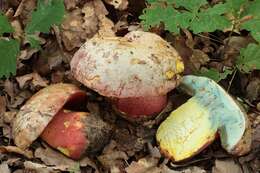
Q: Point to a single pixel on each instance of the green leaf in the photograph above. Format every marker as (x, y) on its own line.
(252, 8)
(194, 16)
(252, 25)
(156, 14)
(193, 5)
(236, 5)
(33, 41)
(151, 1)
(206, 22)
(48, 13)
(9, 50)
(5, 26)
(214, 74)
(249, 58)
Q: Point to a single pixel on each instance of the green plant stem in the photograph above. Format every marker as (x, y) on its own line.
(231, 81)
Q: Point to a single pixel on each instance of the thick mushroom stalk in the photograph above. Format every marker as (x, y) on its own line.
(138, 106)
(135, 71)
(196, 123)
(72, 133)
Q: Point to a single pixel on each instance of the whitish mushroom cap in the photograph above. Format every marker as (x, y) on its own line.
(194, 125)
(136, 65)
(38, 111)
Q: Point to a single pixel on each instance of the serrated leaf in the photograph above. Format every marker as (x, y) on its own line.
(48, 13)
(214, 74)
(252, 8)
(236, 5)
(9, 50)
(193, 18)
(217, 9)
(205, 22)
(249, 58)
(151, 1)
(252, 25)
(176, 20)
(210, 19)
(156, 14)
(5, 26)
(193, 5)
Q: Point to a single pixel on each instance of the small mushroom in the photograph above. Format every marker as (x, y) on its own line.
(135, 71)
(70, 132)
(211, 112)
(74, 133)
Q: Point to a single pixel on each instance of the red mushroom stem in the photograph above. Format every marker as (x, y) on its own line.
(140, 106)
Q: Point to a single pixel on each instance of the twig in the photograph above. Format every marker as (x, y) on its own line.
(231, 81)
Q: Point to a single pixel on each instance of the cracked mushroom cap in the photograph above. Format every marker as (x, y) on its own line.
(139, 64)
(195, 124)
(39, 110)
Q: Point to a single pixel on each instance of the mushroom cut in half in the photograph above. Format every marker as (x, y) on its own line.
(72, 133)
(209, 113)
(135, 71)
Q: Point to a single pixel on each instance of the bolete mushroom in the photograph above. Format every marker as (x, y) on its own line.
(209, 113)
(70, 132)
(135, 71)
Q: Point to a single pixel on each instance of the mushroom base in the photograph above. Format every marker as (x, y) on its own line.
(140, 107)
(66, 133)
(76, 133)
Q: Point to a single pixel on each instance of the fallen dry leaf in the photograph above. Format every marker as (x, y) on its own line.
(230, 50)
(2, 109)
(70, 4)
(36, 36)
(198, 58)
(53, 56)
(72, 32)
(225, 166)
(33, 78)
(150, 165)
(90, 18)
(129, 142)
(57, 76)
(10, 88)
(26, 54)
(7, 131)
(154, 151)
(18, 100)
(14, 149)
(144, 165)
(4, 168)
(9, 116)
(258, 106)
(39, 168)
(25, 9)
(253, 89)
(192, 169)
(82, 24)
(256, 137)
(118, 4)
(18, 31)
(51, 157)
(105, 27)
(112, 158)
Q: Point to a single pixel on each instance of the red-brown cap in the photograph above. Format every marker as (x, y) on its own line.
(140, 64)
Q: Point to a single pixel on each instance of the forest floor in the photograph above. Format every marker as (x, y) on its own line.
(132, 148)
